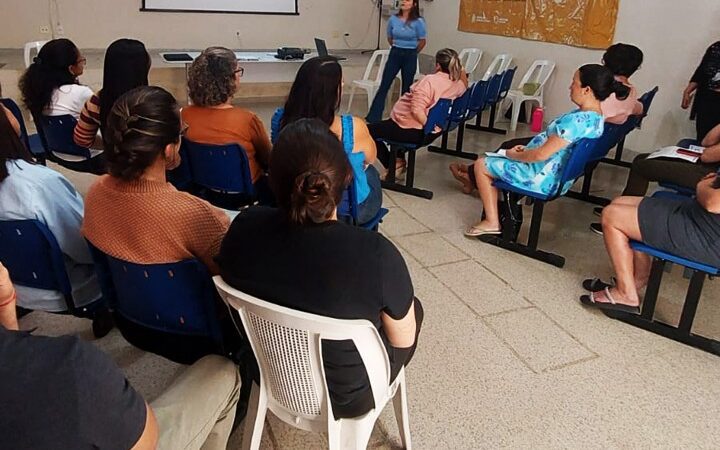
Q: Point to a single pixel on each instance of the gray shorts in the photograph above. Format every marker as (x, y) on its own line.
(681, 227)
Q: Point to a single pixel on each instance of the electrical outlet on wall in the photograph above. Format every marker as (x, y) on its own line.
(60, 30)
(44, 29)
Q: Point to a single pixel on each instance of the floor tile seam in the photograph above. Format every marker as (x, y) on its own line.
(592, 357)
(485, 322)
(572, 336)
(384, 433)
(434, 232)
(500, 313)
(448, 263)
(503, 280)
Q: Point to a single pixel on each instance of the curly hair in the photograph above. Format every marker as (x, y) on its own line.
(140, 125)
(211, 78)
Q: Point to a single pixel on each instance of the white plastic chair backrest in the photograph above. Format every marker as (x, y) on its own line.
(383, 55)
(470, 58)
(538, 72)
(498, 65)
(288, 346)
(29, 47)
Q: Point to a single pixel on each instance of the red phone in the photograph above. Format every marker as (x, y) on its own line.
(686, 152)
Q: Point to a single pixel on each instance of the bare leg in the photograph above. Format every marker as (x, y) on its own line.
(620, 224)
(488, 196)
(460, 173)
(642, 265)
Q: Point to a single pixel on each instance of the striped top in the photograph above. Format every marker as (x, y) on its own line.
(89, 122)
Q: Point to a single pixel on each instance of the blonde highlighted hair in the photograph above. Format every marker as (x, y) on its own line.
(449, 62)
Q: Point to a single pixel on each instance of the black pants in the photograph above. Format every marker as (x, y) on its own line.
(668, 170)
(707, 112)
(95, 165)
(505, 145)
(391, 131)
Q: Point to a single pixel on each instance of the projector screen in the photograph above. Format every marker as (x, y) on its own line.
(223, 6)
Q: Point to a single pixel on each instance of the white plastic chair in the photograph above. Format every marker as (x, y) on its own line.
(368, 84)
(29, 47)
(288, 347)
(470, 58)
(498, 65)
(539, 72)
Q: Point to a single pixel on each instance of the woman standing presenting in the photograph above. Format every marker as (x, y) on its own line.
(407, 36)
(705, 85)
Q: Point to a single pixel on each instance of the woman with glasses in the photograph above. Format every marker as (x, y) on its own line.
(50, 85)
(214, 77)
(135, 215)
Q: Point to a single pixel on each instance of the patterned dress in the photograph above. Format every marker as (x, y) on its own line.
(544, 176)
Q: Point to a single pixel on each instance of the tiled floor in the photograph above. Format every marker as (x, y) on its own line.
(507, 356)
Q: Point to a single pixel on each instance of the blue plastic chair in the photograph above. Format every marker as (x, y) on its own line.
(175, 300)
(574, 169)
(56, 134)
(223, 171)
(32, 141)
(437, 118)
(500, 85)
(34, 259)
(348, 209)
(645, 320)
(459, 115)
(181, 176)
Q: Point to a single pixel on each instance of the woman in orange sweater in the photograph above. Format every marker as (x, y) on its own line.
(135, 215)
(212, 119)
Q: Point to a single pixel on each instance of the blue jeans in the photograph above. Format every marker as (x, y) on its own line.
(372, 204)
(400, 59)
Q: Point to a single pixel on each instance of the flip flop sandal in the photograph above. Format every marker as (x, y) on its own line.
(474, 231)
(589, 300)
(596, 284)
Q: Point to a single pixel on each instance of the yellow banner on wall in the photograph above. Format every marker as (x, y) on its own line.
(582, 23)
(501, 17)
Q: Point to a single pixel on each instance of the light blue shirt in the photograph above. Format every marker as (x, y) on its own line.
(33, 191)
(404, 34)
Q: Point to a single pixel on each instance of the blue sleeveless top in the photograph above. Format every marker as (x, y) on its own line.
(357, 160)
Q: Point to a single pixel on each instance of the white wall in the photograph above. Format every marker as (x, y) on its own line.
(96, 23)
(673, 35)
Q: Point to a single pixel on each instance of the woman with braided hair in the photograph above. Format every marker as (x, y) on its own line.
(135, 215)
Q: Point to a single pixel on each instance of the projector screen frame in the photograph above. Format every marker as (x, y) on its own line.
(201, 11)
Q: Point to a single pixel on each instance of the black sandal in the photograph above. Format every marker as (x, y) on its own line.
(596, 284)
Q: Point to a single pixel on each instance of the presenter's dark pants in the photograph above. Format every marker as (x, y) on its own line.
(403, 60)
(391, 131)
(707, 112)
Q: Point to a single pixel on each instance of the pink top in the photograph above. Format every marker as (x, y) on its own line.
(617, 111)
(422, 96)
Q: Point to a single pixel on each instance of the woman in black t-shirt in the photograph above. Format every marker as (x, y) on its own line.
(705, 86)
(299, 256)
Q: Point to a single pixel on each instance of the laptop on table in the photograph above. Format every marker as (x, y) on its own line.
(323, 51)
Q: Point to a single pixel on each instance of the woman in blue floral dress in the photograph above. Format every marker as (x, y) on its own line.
(538, 166)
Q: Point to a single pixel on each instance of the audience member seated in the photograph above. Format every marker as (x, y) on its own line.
(126, 66)
(687, 228)
(409, 115)
(50, 87)
(299, 256)
(74, 396)
(33, 191)
(623, 60)
(670, 170)
(214, 77)
(539, 166)
(316, 93)
(133, 213)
